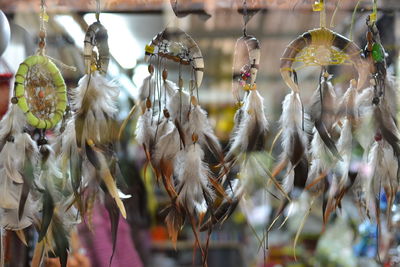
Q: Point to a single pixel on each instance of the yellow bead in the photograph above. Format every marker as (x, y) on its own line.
(149, 49)
(90, 142)
(318, 6)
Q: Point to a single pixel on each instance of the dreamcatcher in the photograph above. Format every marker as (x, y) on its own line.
(87, 136)
(377, 108)
(311, 157)
(304, 167)
(34, 191)
(249, 133)
(175, 132)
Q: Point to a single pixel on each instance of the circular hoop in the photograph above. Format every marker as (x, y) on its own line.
(59, 84)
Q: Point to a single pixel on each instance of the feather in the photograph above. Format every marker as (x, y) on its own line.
(98, 160)
(323, 113)
(170, 89)
(321, 163)
(179, 107)
(252, 128)
(227, 206)
(364, 128)
(11, 124)
(174, 220)
(294, 142)
(95, 103)
(112, 210)
(385, 124)
(9, 217)
(48, 211)
(383, 172)
(167, 146)
(200, 126)
(147, 88)
(60, 238)
(145, 130)
(192, 177)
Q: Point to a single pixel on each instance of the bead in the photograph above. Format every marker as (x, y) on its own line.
(148, 103)
(41, 94)
(42, 141)
(194, 101)
(150, 68)
(378, 137)
(90, 142)
(165, 74)
(166, 113)
(42, 34)
(14, 100)
(195, 137)
(375, 100)
(378, 53)
(42, 44)
(318, 6)
(10, 139)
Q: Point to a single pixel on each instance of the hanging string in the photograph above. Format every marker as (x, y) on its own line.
(244, 18)
(42, 30)
(373, 15)
(98, 10)
(353, 17)
(332, 24)
(320, 7)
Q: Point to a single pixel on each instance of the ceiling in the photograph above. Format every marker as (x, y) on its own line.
(184, 5)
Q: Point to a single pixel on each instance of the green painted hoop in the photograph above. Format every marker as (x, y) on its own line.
(60, 87)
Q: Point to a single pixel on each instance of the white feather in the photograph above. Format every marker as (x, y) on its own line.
(13, 122)
(199, 125)
(170, 89)
(322, 161)
(370, 183)
(10, 221)
(291, 123)
(147, 88)
(145, 129)
(365, 118)
(12, 163)
(179, 106)
(193, 178)
(253, 112)
(102, 94)
(344, 146)
(383, 170)
(167, 146)
(95, 100)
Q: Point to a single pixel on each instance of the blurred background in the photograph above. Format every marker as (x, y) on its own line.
(215, 25)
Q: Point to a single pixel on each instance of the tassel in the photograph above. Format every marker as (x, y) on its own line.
(95, 103)
(323, 112)
(252, 127)
(194, 191)
(294, 142)
(383, 173)
(200, 126)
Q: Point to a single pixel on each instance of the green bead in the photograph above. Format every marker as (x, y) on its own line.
(378, 54)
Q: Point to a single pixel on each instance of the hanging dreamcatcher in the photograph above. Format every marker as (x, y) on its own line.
(34, 191)
(250, 126)
(88, 134)
(377, 129)
(313, 159)
(310, 155)
(174, 130)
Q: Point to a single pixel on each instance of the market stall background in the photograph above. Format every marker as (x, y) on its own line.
(131, 25)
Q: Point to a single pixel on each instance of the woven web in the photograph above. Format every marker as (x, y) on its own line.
(40, 92)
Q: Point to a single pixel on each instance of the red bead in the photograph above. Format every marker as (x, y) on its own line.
(378, 137)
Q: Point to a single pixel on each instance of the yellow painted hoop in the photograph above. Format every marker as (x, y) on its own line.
(61, 91)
